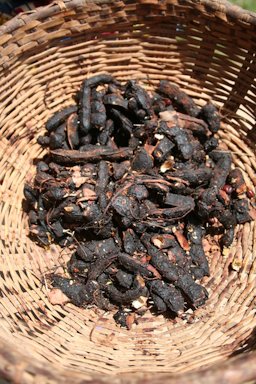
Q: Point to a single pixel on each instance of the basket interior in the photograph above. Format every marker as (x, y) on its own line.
(43, 64)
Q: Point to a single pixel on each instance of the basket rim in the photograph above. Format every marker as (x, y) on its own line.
(13, 362)
(15, 366)
(223, 9)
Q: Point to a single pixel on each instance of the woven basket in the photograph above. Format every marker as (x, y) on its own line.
(208, 48)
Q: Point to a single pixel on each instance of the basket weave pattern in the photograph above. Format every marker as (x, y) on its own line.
(208, 48)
